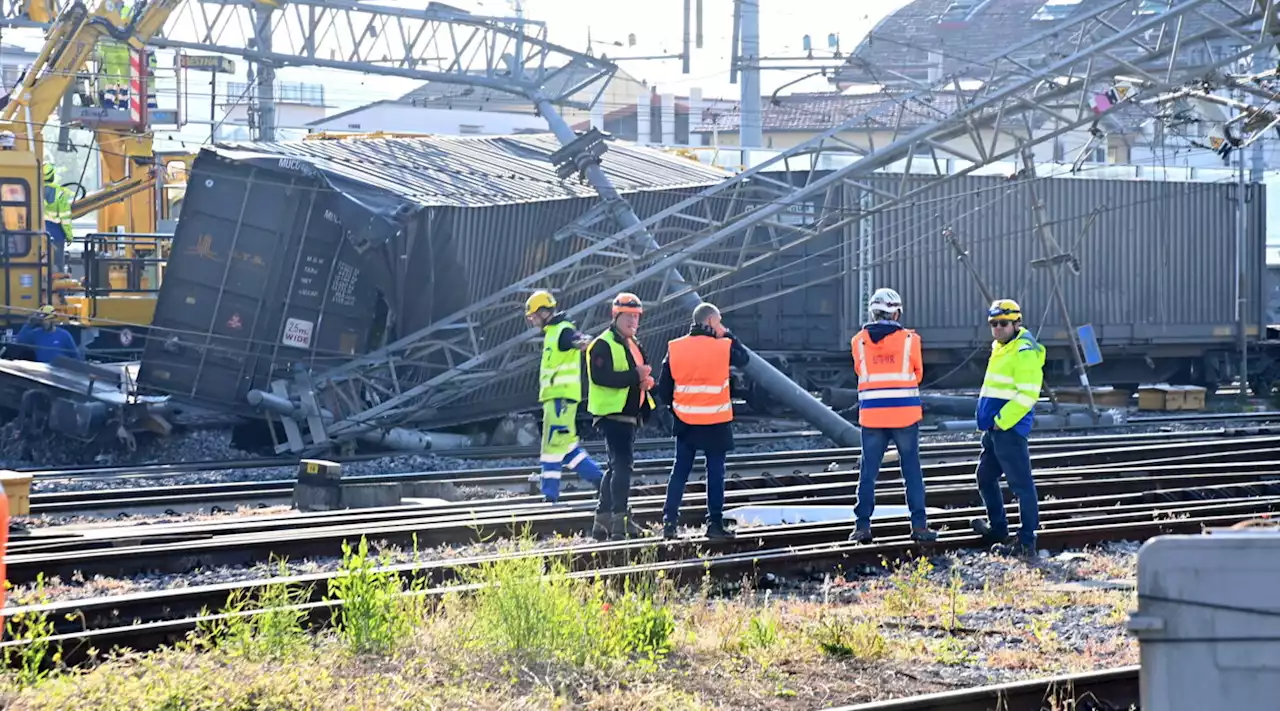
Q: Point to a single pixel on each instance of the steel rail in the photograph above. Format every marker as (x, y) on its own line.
(177, 550)
(165, 469)
(953, 490)
(949, 489)
(1109, 690)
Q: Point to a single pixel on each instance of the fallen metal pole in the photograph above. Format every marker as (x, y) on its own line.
(770, 378)
(395, 438)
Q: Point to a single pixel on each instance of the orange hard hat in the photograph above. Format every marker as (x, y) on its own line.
(626, 303)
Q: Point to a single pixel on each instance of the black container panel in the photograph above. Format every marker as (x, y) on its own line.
(260, 278)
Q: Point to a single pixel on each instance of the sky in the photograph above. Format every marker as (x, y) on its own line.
(658, 30)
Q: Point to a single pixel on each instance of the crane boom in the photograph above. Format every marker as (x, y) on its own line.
(69, 42)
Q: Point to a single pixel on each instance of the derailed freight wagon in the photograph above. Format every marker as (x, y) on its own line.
(1157, 279)
(300, 256)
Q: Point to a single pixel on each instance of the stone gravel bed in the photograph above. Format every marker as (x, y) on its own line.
(211, 445)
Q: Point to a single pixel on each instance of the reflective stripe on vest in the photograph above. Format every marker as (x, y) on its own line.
(700, 368)
(888, 394)
(560, 376)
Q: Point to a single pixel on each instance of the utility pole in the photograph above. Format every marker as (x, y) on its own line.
(1243, 396)
(1056, 257)
(265, 91)
(750, 122)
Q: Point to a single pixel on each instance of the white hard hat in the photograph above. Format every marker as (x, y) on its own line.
(6, 139)
(885, 301)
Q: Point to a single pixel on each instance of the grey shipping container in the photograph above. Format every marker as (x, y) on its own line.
(1157, 265)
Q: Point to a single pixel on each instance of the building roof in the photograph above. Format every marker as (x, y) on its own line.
(819, 112)
(478, 171)
(474, 98)
(965, 31)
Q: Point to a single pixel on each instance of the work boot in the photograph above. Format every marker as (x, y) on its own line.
(861, 535)
(623, 528)
(600, 527)
(924, 535)
(982, 528)
(717, 532)
(669, 531)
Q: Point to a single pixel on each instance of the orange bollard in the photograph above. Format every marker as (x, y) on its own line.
(4, 549)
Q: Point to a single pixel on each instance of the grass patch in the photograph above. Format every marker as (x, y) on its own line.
(530, 635)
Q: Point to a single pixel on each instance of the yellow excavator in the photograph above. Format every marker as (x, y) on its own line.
(122, 271)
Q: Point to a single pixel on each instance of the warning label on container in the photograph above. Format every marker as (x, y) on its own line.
(297, 333)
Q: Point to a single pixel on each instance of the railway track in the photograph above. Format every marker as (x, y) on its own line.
(1107, 690)
(168, 469)
(147, 620)
(745, 470)
(1165, 484)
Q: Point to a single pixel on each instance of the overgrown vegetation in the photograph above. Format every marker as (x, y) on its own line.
(529, 627)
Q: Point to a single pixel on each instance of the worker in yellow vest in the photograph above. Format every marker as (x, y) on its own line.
(695, 381)
(619, 398)
(559, 391)
(57, 217)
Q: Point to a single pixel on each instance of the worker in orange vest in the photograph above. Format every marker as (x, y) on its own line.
(887, 358)
(695, 383)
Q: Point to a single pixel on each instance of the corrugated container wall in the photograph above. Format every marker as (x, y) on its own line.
(1157, 264)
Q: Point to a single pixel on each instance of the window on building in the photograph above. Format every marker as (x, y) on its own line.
(1056, 10)
(466, 128)
(960, 11)
(1151, 7)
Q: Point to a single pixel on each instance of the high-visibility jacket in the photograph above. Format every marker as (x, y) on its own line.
(889, 374)
(57, 208)
(1011, 387)
(602, 401)
(560, 377)
(700, 368)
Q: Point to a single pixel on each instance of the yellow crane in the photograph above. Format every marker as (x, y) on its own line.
(126, 202)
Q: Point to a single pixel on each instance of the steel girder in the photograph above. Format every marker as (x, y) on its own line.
(437, 44)
(753, 217)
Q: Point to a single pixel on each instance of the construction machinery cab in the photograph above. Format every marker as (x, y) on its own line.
(26, 260)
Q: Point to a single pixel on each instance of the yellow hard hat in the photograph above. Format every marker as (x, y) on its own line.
(539, 300)
(47, 311)
(50, 172)
(1004, 310)
(627, 303)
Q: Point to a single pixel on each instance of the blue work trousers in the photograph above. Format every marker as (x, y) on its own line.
(680, 471)
(875, 440)
(1007, 453)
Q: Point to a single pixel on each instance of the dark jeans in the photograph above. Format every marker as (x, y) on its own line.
(875, 441)
(1007, 453)
(619, 439)
(680, 471)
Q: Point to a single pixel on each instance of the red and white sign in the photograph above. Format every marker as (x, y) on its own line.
(297, 333)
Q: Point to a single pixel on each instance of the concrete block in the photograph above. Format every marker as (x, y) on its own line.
(367, 496)
(317, 487)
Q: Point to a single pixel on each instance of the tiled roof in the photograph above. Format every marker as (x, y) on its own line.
(818, 112)
(476, 171)
(902, 41)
